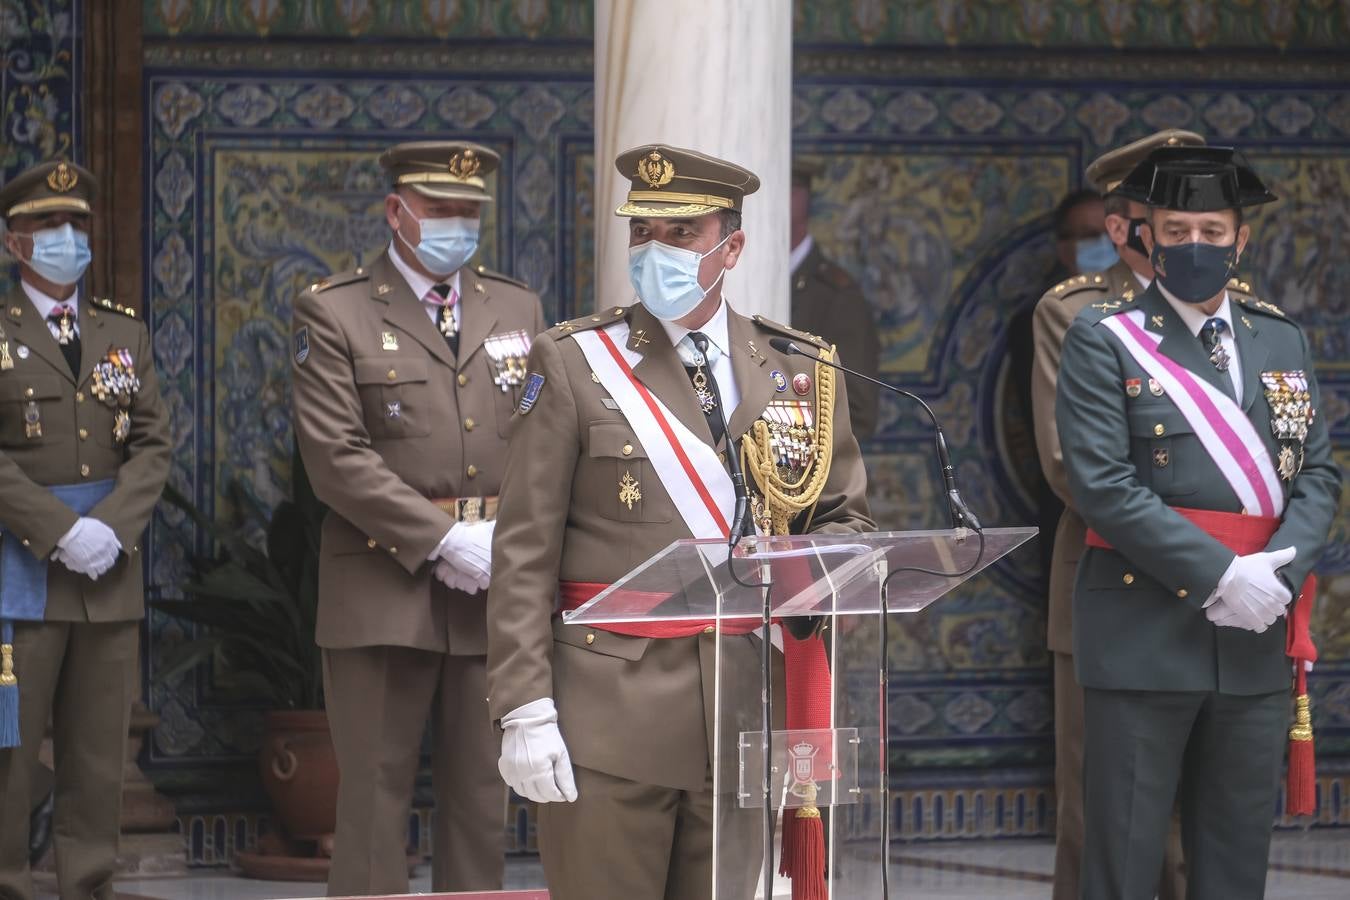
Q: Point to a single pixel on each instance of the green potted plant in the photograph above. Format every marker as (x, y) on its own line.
(256, 610)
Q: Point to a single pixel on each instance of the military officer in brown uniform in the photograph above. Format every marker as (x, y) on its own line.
(609, 728)
(828, 302)
(405, 377)
(84, 453)
(1055, 311)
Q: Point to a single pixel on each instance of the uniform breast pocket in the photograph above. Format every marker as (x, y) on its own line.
(395, 396)
(29, 410)
(1165, 449)
(619, 478)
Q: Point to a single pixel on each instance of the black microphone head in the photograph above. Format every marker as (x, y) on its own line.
(783, 345)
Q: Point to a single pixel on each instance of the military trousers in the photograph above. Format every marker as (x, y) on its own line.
(1069, 796)
(1224, 750)
(80, 676)
(379, 700)
(621, 840)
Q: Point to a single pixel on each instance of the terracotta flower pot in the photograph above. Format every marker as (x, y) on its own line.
(300, 772)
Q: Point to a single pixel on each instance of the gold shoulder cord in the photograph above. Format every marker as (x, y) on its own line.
(783, 500)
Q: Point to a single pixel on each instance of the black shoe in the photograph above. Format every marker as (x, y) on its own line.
(40, 829)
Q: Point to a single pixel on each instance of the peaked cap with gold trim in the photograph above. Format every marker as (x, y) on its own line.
(442, 170)
(1106, 172)
(56, 186)
(671, 183)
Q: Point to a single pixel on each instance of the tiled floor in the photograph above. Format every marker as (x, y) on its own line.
(1313, 865)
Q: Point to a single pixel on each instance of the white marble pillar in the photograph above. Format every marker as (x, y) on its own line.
(708, 75)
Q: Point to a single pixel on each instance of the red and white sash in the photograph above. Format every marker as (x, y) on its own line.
(688, 467)
(1223, 429)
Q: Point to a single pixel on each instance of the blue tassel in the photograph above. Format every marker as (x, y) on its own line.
(9, 689)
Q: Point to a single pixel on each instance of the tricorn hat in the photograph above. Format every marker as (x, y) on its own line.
(1195, 179)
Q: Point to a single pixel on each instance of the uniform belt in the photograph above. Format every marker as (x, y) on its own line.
(575, 594)
(1245, 534)
(467, 509)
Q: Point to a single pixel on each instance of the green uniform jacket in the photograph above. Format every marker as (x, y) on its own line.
(1138, 621)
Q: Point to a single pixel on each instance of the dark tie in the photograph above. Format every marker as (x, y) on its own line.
(61, 322)
(1210, 334)
(446, 319)
(705, 385)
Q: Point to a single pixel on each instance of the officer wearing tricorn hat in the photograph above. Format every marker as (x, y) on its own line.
(405, 376)
(84, 453)
(1131, 274)
(1208, 497)
(607, 728)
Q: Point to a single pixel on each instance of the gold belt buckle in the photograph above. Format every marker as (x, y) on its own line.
(469, 509)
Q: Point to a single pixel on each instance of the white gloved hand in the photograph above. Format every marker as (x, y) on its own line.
(456, 580)
(468, 547)
(534, 759)
(1226, 615)
(1252, 590)
(89, 548)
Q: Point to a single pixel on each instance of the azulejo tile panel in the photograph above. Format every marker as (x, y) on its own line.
(42, 48)
(259, 184)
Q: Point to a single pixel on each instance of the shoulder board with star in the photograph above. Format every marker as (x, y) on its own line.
(105, 303)
(586, 323)
(1241, 292)
(779, 328)
(1077, 284)
(485, 272)
(338, 279)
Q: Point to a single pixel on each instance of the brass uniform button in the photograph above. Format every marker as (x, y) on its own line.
(393, 551)
(1159, 430)
(627, 449)
(590, 638)
(468, 423)
(24, 542)
(28, 392)
(1128, 579)
(84, 434)
(710, 629)
(1183, 593)
(462, 379)
(84, 470)
(471, 471)
(392, 374)
(372, 544)
(79, 396)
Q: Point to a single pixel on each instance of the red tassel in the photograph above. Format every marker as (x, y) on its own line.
(803, 854)
(1301, 782)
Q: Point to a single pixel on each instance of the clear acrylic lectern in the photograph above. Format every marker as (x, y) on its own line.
(760, 770)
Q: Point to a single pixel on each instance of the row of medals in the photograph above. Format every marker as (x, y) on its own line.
(1291, 414)
(509, 352)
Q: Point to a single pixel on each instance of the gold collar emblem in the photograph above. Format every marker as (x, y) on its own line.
(465, 165)
(62, 178)
(656, 170)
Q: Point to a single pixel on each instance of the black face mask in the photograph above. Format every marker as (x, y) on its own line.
(1194, 273)
(1134, 241)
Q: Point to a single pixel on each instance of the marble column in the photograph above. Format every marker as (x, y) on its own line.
(708, 75)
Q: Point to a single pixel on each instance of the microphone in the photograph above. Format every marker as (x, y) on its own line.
(737, 484)
(961, 515)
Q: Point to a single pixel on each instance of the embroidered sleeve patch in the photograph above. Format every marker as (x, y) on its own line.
(534, 383)
(302, 345)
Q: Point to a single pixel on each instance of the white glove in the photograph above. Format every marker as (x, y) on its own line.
(534, 758)
(1254, 595)
(88, 548)
(456, 580)
(468, 547)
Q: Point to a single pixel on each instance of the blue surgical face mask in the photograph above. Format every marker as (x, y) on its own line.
(446, 244)
(666, 278)
(1194, 272)
(1095, 254)
(60, 255)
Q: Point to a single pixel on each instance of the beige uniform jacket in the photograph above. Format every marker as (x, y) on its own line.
(77, 444)
(388, 420)
(630, 707)
(828, 302)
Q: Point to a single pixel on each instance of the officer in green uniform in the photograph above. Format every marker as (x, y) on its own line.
(1186, 415)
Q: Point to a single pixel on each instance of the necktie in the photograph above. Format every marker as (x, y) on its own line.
(705, 384)
(445, 297)
(1210, 334)
(61, 323)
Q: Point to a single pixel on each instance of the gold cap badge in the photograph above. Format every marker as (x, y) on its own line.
(465, 165)
(62, 178)
(655, 170)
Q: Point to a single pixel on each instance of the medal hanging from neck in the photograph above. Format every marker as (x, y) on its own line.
(706, 401)
(446, 321)
(65, 329)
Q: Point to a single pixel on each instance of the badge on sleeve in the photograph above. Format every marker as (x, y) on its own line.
(534, 383)
(302, 345)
